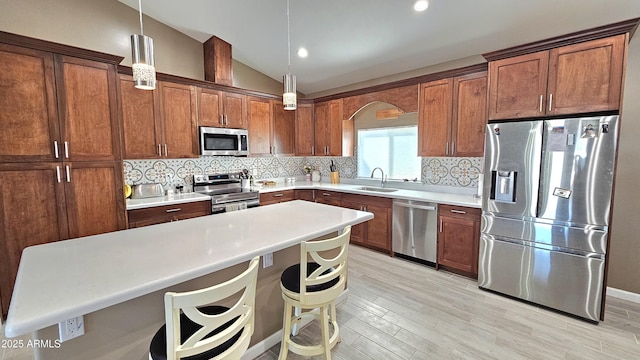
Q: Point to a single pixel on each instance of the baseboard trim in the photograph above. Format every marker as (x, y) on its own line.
(623, 294)
(266, 344)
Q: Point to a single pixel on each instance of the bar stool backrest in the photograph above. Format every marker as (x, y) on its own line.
(332, 266)
(242, 311)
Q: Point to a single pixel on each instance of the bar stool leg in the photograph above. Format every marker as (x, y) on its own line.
(286, 331)
(326, 336)
(334, 317)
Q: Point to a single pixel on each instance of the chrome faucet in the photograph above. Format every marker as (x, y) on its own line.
(382, 177)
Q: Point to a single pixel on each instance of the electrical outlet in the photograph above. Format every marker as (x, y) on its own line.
(71, 328)
(267, 260)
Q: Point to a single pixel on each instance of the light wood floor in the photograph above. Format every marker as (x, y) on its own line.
(400, 310)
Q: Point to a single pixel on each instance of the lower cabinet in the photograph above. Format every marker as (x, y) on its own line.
(328, 197)
(167, 213)
(276, 197)
(304, 195)
(375, 233)
(458, 238)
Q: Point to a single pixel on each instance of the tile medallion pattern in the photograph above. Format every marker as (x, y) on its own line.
(460, 172)
(451, 171)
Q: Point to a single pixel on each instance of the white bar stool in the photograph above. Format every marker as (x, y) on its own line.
(208, 332)
(315, 283)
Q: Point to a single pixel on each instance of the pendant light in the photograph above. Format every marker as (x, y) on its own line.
(289, 80)
(143, 64)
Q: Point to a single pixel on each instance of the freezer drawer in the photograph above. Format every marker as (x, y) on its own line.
(562, 281)
(415, 229)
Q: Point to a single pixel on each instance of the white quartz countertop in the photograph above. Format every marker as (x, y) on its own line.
(437, 197)
(133, 204)
(61, 280)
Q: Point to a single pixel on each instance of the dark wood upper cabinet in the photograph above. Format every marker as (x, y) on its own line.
(259, 114)
(305, 134)
(469, 114)
(283, 128)
(140, 114)
(210, 108)
(28, 106)
(87, 109)
(586, 77)
(434, 119)
(328, 129)
(178, 113)
(234, 110)
(218, 62)
(572, 79)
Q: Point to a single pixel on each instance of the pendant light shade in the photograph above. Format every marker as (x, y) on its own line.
(144, 71)
(142, 62)
(289, 80)
(289, 95)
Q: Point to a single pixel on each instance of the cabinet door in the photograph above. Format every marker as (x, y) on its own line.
(305, 134)
(518, 85)
(178, 113)
(335, 128)
(28, 109)
(139, 111)
(162, 214)
(379, 228)
(95, 197)
(234, 110)
(435, 118)
(32, 212)
(276, 197)
(87, 108)
(359, 231)
(209, 108)
(469, 115)
(283, 129)
(259, 126)
(306, 195)
(322, 128)
(586, 77)
(458, 241)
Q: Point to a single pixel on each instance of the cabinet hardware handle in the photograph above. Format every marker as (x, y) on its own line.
(165, 150)
(313, 150)
(221, 120)
(326, 194)
(68, 174)
(278, 195)
(226, 120)
(453, 148)
(365, 208)
(446, 148)
(327, 151)
(540, 103)
(58, 173)
(55, 147)
(66, 149)
(159, 150)
(458, 212)
(550, 101)
(440, 224)
(173, 210)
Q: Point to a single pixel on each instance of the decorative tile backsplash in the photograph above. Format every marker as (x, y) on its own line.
(446, 171)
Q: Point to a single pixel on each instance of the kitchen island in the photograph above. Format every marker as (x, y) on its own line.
(117, 280)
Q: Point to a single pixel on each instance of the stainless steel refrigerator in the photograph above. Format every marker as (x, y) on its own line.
(545, 221)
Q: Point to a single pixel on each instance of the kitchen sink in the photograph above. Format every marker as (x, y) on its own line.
(378, 189)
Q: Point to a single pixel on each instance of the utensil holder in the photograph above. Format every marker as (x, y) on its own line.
(334, 176)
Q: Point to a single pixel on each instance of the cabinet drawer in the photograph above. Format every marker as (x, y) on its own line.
(458, 211)
(276, 197)
(368, 200)
(167, 213)
(328, 197)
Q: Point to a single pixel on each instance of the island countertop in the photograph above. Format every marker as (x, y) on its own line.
(65, 279)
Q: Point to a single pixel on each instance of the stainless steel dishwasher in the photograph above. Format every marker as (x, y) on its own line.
(415, 230)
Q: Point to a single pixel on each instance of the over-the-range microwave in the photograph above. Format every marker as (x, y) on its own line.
(222, 141)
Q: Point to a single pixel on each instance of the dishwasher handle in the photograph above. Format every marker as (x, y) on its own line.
(413, 206)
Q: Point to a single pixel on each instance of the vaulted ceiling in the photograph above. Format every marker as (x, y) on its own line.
(350, 41)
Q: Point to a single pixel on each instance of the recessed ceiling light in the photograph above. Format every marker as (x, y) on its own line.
(421, 5)
(303, 53)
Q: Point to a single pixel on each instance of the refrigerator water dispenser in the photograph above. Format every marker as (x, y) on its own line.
(503, 187)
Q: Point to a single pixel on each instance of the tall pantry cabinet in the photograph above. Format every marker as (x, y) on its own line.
(60, 159)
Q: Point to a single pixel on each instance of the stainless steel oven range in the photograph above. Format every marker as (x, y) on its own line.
(226, 192)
